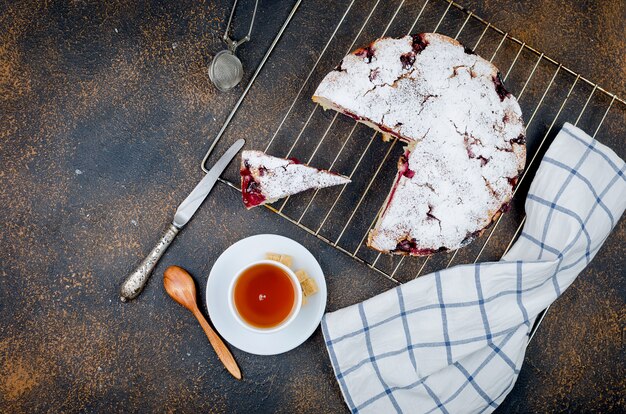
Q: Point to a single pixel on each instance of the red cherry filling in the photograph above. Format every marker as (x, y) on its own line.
(250, 191)
(351, 115)
(513, 181)
(410, 246)
(407, 245)
(365, 52)
(500, 89)
(403, 166)
(374, 74)
(392, 132)
(407, 60)
(419, 43)
(521, 140)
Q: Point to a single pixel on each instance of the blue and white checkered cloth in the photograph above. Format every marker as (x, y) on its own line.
(454, 341)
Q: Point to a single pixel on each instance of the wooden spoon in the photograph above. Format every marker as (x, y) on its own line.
(180, 286)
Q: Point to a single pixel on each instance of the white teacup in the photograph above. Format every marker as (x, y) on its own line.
(295, 308)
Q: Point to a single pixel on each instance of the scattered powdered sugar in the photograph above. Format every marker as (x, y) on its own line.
(278, 177)
(465, 135)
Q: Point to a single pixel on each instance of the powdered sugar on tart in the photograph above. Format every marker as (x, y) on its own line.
(265, 179)
(464, 132)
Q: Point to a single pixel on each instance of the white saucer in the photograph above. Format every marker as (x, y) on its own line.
(225, 268)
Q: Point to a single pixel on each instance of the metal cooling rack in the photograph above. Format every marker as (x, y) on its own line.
(549, 93)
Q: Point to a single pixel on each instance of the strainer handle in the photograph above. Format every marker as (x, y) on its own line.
(234, 44)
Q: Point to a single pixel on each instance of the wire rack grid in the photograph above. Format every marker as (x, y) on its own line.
(548, 92)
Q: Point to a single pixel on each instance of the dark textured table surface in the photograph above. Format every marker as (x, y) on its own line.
(105, 114)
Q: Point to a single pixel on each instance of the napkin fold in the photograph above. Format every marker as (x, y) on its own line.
(454, 340)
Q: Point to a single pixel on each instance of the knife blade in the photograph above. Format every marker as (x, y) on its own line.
(189, 206)
(135, 282)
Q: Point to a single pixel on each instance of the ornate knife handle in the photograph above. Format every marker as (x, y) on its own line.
(135, 282)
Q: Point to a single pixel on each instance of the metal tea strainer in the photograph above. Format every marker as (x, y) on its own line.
(226, 70)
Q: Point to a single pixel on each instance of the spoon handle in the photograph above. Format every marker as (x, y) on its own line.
(218, 345)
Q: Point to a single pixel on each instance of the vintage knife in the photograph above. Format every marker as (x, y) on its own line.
(135, 282)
